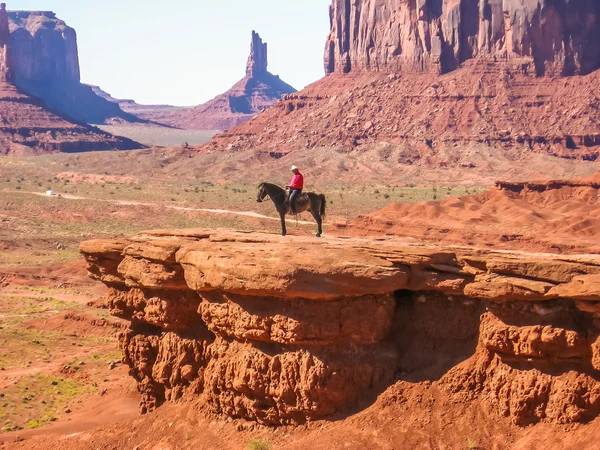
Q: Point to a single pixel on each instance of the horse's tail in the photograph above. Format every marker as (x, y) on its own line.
(323, 205)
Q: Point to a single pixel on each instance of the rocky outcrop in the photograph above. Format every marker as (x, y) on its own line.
(257, 91)
(419, 121)
(46, 65)
(553, 37)
(27, 127)
(285, 330)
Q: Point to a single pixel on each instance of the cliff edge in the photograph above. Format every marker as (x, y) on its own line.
(288, 330)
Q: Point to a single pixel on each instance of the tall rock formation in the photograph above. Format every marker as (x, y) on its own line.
(556, 37)
(46, 64)
(6, 71)
(257, 61)
(257, 91)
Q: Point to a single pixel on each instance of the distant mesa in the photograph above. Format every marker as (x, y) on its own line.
(6, 72)
(27, 125)
(257, 91)
(157, 114)
(46, 64)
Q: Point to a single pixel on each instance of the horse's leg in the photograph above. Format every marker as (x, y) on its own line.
(317, 217)
(283, 229)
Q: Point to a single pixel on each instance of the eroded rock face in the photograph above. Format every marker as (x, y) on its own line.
(282, 331)
(553, 37)
(535, 363)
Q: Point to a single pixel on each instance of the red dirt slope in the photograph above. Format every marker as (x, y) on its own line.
(557, 216)
(424, 117)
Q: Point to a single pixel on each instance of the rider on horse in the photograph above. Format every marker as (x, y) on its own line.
(296, 186)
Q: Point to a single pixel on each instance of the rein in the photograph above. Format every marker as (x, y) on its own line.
(278, 195)
(271, 197)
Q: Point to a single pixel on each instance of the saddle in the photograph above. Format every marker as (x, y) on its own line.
(301, 199)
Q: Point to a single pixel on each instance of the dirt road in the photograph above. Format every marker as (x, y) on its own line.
(179, 208)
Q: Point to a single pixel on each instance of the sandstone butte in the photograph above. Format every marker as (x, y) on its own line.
(27, 126)
(434, 84)
(257, 91)
(289, 330)
(46, 65)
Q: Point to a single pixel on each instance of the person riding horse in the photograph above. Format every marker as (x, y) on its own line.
(296, 186)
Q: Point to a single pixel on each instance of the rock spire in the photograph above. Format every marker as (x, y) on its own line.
(257, 61)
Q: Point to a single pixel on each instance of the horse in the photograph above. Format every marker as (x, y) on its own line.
(307, 201)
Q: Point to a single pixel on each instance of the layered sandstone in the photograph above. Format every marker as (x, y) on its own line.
(257, 61)
(285, 330)
(257, 91)
(46, 65)
(27, 127)
(552, 37)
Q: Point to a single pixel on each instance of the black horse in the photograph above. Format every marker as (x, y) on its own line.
(307, 201)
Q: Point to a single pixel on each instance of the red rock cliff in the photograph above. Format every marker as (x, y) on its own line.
(555, 37)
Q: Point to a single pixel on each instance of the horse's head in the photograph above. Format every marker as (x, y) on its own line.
(262, 193)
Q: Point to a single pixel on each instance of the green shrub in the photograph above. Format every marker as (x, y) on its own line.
(259, 444)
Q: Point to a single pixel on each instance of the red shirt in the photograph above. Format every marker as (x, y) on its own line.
(297, 182)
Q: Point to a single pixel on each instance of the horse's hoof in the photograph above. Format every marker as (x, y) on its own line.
(318, 235)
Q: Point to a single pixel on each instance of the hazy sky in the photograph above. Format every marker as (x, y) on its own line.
(184, 52)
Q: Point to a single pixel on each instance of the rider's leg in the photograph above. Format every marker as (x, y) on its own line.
(293, 196)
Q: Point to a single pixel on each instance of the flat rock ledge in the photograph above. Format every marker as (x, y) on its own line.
(288, 330)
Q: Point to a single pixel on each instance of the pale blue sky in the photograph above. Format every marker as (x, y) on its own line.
(184, 52)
